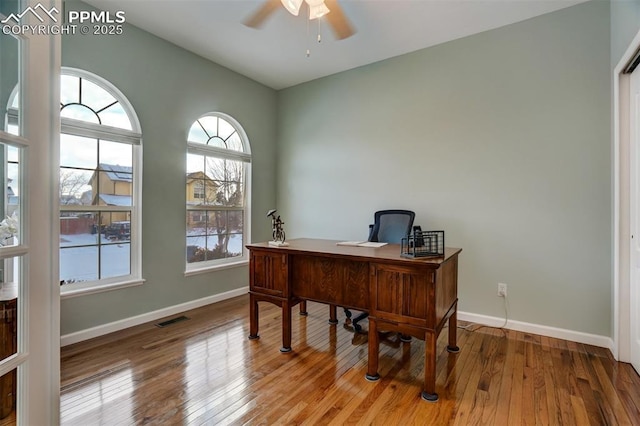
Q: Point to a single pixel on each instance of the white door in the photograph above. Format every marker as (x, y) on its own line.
(634, 118)
(29, 297)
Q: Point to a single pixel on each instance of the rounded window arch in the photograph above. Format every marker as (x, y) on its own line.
(87, 97)
(217, 191)
(218, 130)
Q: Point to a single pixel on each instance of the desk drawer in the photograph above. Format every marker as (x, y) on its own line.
(403, 295)
(269, 273)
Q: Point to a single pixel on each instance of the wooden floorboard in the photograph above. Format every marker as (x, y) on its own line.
(205, 371)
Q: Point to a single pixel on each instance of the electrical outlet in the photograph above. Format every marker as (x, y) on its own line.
(502, 290)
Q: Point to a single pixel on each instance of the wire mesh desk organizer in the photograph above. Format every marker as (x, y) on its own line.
(422, 244)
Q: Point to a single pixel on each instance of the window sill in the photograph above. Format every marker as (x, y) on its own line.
(206, 269)
(76, 292)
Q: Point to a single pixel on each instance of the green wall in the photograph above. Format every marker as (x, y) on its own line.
(169, 89)
(502, 139)
(625, 23)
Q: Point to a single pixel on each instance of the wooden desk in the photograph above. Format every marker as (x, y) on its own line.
(411, 296)
(8, 345)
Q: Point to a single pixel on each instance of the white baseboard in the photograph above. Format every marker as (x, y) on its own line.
(101, 330)
(543, 330)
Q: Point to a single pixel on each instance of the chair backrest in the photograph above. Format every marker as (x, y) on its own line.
(391, 226)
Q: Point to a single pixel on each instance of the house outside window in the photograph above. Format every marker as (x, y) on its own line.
(217, 188)
(198, 189)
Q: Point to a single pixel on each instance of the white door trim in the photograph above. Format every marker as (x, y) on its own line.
(39, 397)
(621, 243)
(634, 250)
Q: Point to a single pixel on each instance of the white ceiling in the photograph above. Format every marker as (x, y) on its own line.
(275, 55)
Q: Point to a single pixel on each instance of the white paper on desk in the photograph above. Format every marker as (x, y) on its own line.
(350, 243)
(371, 244)
(360, 244)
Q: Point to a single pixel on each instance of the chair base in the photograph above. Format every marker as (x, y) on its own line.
(357, 319)
(354, 322)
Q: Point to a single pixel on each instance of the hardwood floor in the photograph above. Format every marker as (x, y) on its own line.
(205, 371)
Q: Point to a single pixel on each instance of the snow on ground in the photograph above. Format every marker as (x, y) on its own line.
(81, 263)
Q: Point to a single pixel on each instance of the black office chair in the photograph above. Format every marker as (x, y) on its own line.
(389, 226)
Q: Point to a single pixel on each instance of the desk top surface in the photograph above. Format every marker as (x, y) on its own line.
(331, 249)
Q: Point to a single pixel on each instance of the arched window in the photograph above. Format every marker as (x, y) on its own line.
(217, 187)
(100, 169)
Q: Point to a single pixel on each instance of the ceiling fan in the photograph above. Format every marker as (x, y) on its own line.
(336, 18)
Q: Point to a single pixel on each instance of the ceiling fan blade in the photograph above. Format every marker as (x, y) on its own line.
(258, 18)
(338, 21)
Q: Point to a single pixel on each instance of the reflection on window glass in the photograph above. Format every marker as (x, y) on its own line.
(9, 317)
(10, 208)
(8, 385)
(9, 79)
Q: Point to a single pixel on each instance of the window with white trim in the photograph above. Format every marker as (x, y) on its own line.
(100, 169)
(13, 170)
(217, 186)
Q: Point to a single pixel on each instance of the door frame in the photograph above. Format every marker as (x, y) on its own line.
(621, 206)
(42, 375)
(38, 358)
